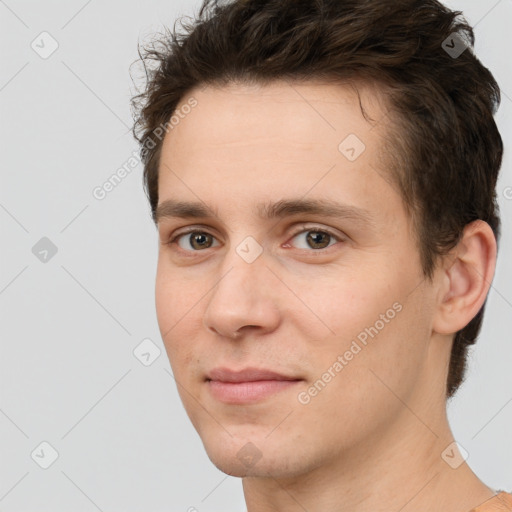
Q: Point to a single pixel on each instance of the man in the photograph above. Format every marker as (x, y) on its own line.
(322, 175)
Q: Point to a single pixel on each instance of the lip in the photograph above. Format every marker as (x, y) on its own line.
(249, 374)
(250, 385)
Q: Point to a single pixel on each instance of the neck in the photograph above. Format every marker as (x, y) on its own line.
(400, 470)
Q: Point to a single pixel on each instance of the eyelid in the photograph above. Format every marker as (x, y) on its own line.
(314, 227)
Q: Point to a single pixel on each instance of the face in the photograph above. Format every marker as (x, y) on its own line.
(335, 301)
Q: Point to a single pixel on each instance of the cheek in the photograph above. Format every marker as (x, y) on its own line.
(374, 322)
(346, 305)
(395, 353)
(174, 302)
(174, 296)
(368, 387)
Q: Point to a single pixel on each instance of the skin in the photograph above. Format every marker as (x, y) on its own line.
(381, 421)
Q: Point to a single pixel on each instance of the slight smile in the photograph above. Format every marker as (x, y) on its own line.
(249, 385)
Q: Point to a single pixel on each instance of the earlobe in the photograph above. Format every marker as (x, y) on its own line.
(467, 275)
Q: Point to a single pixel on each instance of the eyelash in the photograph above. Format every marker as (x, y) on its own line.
(302, 229)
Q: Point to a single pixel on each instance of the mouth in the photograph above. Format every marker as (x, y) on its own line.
(250, 385)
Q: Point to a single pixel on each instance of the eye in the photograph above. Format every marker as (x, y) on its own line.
(316, 238)
(313, 237)
(193, 240)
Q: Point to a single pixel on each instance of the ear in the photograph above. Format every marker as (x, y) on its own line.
(466, 276)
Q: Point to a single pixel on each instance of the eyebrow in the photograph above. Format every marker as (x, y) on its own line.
(172, 208)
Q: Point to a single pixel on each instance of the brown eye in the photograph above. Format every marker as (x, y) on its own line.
(316, 239)
(194, 240)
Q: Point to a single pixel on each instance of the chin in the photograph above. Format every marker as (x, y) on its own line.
(231, 465)
(262, 458)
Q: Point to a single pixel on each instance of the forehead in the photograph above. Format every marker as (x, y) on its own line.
(245, 144)
(310, 113)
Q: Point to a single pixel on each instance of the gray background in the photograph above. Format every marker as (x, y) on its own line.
(70, 324)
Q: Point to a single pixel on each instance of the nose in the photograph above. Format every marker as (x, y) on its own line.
(244, 298)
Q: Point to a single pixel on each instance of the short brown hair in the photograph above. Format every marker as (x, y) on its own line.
(448, 152)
